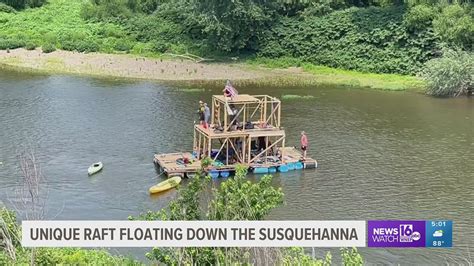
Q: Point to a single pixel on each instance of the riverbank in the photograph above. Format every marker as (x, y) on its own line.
(261, 72)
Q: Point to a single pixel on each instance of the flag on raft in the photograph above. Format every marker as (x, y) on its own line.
(229, 90)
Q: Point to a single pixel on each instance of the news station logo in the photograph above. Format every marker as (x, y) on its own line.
(396, 233)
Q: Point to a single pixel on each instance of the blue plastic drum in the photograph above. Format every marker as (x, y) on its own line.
(214, 173)
(299, 165)
(283, 168)
(272, 170)
(260, 170)
(291, 166)
(225, 174)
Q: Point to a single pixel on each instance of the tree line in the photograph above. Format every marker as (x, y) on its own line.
(376, 36)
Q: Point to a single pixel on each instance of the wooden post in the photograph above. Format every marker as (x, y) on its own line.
(213, 112)
(225, 117)
(266, 146)
(227, 151)
(194, 139)
(243, 145)
(279, 115)
(209, 147)
(265, 110)
(250, 148)
(283, 148)
(199, 146)
(245, 111)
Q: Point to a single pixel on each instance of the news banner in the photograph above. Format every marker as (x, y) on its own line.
(372, 233)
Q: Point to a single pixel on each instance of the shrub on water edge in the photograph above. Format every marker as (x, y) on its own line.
(48, 48)
(10, 43)
(450, 75)
(30, 46)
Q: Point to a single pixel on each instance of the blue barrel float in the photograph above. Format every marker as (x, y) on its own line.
(291, 166)
(283, 168)
(260, 170)
(272, 170)
(299, 165)
(214, 173)
(225, 174)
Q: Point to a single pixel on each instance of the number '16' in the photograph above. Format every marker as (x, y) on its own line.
(406, 230)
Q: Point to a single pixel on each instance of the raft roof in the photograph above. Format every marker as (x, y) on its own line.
(239, 99)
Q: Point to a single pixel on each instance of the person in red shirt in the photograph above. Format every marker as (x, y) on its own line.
(304, 143)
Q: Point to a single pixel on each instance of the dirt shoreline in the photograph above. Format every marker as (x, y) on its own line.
(136, 67)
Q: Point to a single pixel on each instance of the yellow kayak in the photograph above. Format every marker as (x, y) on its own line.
(165, 185)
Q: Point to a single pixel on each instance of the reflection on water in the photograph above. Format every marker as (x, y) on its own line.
(382, 155)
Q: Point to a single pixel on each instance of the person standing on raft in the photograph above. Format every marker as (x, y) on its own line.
(207, 115)
(304, 144)
(201, 113)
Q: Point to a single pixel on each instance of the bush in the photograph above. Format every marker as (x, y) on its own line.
(455, 25)
(364, 39)
(48, 48)
(30, 46)
(106, 10)
(419, 17)
(11, 43)
(450, 75)
(142, 48)
(123, 45)
(6, 8)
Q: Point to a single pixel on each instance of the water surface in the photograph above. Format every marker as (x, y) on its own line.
(382, 155)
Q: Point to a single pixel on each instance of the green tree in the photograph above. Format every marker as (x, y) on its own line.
(455, 25)
(234, 25)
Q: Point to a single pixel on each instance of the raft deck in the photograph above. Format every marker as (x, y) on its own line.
(168, 162)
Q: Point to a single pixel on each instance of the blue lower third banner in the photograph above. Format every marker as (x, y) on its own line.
(439, 234)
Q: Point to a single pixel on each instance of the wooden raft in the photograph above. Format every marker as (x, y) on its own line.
(293, 155)
(168, 162)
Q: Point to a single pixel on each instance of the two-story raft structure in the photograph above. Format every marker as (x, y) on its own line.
(245, 129)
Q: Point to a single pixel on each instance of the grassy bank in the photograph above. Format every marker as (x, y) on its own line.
(255, 72)
(58, 25)
(333, 76)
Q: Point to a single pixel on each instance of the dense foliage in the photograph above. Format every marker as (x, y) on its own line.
(234, 199)
(450, 75)
(364, 39)
(381, 36)
(19, 4)
(377, 36)
(11, 252)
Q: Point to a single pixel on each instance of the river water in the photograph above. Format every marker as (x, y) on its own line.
(382, 155)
